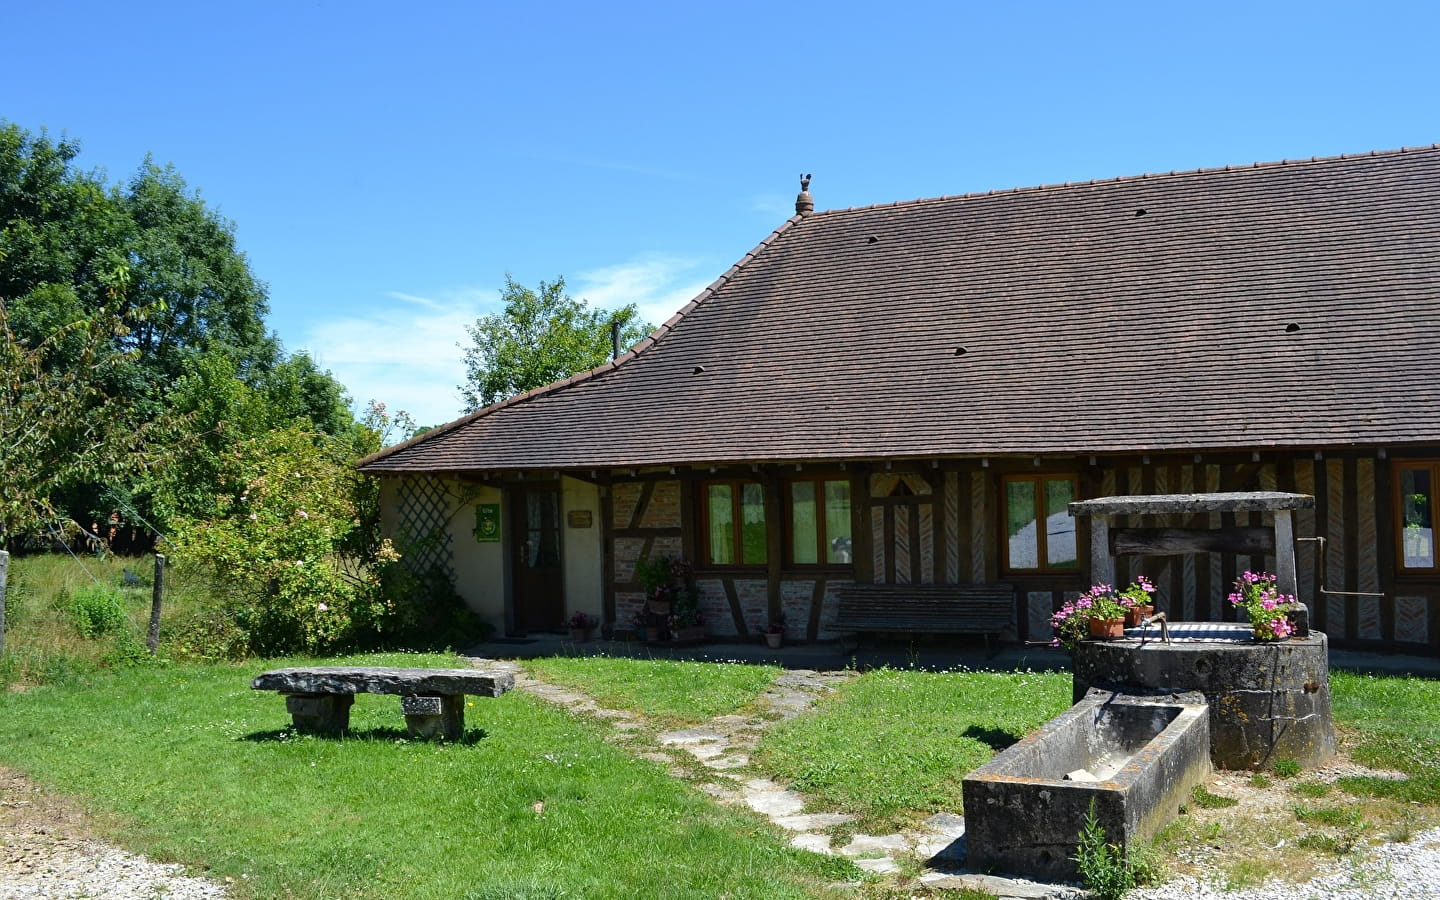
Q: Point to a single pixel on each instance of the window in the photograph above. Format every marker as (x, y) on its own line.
(1414, 504)
(734, 518)
(1040, 533)
(819, 521)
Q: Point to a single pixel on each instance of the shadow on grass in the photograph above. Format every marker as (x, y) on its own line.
(383, 735)
(996, 739)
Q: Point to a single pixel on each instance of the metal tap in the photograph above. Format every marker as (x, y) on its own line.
(1164, 626)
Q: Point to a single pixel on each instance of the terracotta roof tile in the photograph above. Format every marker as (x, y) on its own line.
(1141, 313)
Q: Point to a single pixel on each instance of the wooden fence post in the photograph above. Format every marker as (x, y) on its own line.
(153, 639)
(4, 574)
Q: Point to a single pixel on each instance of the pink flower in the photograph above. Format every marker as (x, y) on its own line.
(322, 607)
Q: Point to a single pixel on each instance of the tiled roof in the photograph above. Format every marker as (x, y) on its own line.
(1291, 304)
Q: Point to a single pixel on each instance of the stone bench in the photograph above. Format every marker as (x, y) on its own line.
(983, 609)
(433, 700)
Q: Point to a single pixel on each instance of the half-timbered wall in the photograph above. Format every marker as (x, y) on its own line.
(942, 522)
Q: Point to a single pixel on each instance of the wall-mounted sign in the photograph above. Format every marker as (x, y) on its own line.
(487, 522)
(580, 518)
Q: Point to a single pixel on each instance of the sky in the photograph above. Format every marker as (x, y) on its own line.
(387, 164)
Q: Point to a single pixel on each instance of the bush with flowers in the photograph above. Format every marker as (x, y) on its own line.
(581, 621)
(1139, 594)
(670, 603)
(1071, 622)
(1267, 609)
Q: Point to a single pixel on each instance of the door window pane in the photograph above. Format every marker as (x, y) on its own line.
(804, 526)
(1022, 540)
(1417, 532)
(752, 525)
(720, 509)
(837, 521)
(1059, 524)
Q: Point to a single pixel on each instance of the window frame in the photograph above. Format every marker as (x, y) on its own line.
(787, 514)
(737, 493)
(1042, 556)
(1432, 468)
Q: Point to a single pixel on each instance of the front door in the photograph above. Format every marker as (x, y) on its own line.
(538, 577)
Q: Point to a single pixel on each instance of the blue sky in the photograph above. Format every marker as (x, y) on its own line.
(386, 164)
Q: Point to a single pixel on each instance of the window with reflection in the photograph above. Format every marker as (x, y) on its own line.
(734, 519)
(819, 520)
(1039, 531)
(1415, 505)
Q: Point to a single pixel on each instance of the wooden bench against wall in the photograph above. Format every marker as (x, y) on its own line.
(983, 609)
(433, 700)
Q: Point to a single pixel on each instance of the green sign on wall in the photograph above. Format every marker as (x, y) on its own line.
(487, 522)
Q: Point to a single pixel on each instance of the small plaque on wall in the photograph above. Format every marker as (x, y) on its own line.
(580, 518)
(487, 522)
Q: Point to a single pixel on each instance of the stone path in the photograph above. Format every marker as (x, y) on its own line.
(722, 748)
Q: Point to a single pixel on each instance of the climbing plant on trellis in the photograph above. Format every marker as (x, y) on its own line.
(424, 505)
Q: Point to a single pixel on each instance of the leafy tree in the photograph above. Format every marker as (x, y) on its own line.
(58, 427)
(541, 336)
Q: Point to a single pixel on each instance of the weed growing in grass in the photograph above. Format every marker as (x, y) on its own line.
(1339, 817)
(1246, 873)
(1313, 790)
(1286, 768)
(1102, 865)
(96, 611)
(1401, 830)
(1202, 798)
(1260, 781)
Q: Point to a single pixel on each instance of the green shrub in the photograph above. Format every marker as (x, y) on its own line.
(97, 611)
(1286, 768)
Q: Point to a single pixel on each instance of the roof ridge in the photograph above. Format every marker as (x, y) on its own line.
(643, 345)
(1124, 179)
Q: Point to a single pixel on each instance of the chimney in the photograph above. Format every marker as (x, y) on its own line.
(804, 204)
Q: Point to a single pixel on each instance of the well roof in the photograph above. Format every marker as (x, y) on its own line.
(1292, 304)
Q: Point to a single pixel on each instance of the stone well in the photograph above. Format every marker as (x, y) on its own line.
(1268, 701)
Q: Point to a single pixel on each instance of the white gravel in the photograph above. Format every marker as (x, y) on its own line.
(37, 867)
(1408, 871)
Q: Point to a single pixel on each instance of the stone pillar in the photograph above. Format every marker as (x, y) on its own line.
(1102, 564)
(319, 713)
(432, 716)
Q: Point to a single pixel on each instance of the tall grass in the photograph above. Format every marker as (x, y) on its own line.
(52, 600)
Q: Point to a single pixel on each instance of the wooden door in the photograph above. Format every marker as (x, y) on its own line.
(538, 576)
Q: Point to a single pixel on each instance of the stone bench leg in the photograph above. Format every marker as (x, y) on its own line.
(319, 713)
(431, 716)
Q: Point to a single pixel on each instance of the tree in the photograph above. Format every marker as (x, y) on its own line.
(541, 336)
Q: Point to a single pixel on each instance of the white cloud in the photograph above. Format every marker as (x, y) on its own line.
(657, 285)
(408, 352)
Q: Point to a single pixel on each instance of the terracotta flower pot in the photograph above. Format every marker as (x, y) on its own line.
(1136, 614)
(1107, 629)
(773, 639)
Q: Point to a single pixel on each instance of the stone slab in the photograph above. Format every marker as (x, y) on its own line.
(383, 680)
(1184, 504)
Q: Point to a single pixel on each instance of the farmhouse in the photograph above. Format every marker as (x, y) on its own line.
(911, 393)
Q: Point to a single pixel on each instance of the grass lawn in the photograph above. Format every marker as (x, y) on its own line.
(198, 768)
(668, 692)
(894, 745)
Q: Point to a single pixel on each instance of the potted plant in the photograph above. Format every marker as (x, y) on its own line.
(685, 621)
(775, 633)
(1138, 601)
(582, 625)
(1097, 613)
(1267, 609)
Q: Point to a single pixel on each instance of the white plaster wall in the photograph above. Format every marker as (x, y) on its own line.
(583, 550)
(479, 567)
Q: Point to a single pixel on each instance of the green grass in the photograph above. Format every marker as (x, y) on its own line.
(667, 691)
(50, 607)
(1397, 725)
(893, 745)
(186, 763)
(1203, 798)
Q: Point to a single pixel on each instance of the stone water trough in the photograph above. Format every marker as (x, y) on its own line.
(1135, 757)
(1157, 710)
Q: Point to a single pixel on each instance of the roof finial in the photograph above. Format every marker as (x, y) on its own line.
(804, 204)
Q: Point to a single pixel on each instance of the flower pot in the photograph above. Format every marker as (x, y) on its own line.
(1136, 614)
(689, 633)
(773, 639)
(581, 635)
(1107, 629)
(652, 633)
